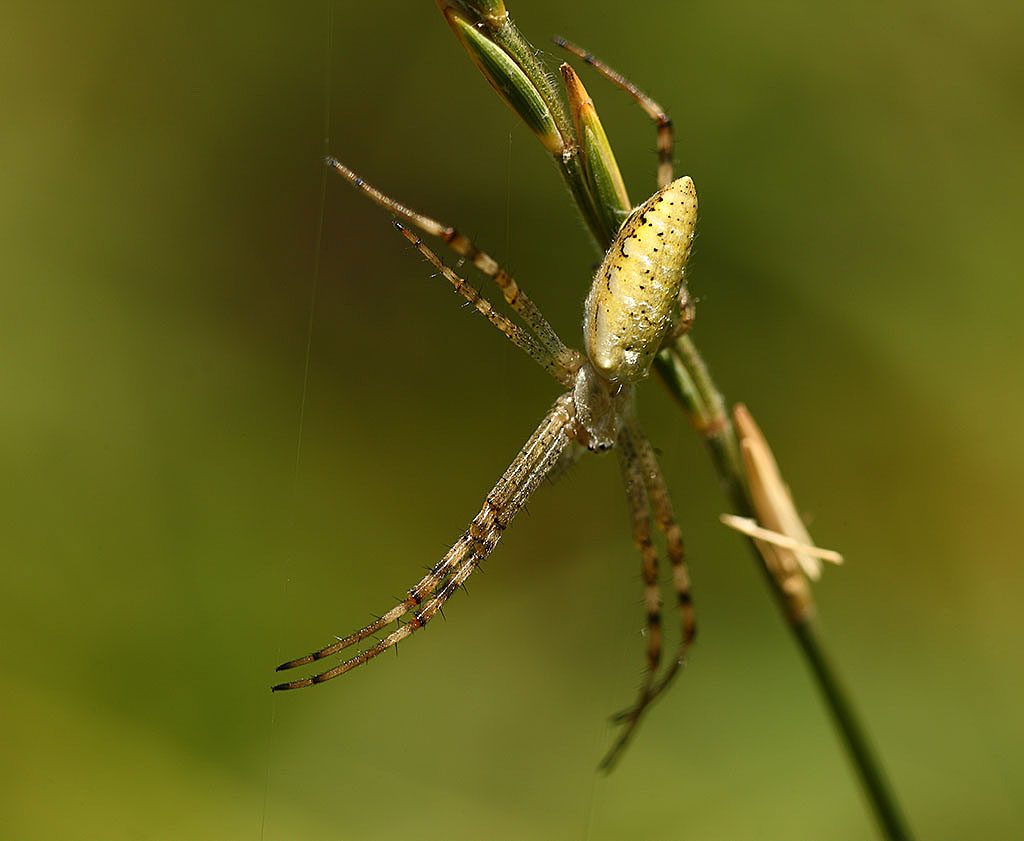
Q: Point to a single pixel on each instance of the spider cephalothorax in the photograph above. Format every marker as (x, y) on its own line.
(638, 301)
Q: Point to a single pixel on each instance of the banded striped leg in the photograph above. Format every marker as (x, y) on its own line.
(661, 504)
(506, 499)
(514, 296)
(640, 466)
(557, 368)
(666, 140)
(639, 508)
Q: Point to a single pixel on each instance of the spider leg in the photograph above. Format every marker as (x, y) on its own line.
(641, 466)
(560, 370)
(514, 296)
(676, 550)
(426, 587)
(527, 471)
(666, 138)
(639, 508)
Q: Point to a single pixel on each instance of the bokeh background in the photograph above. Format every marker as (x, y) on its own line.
(190, 496)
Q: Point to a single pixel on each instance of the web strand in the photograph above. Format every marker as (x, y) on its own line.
(306, 363)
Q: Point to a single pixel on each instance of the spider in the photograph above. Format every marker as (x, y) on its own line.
(638, 302)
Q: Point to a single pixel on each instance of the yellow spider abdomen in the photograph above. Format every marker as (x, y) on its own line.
(632, 302)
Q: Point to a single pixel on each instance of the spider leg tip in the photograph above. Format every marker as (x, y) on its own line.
(405, 232)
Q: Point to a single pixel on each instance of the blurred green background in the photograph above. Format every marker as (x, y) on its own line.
(170, 535)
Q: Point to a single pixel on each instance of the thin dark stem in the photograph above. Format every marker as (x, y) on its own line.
(862, 755)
